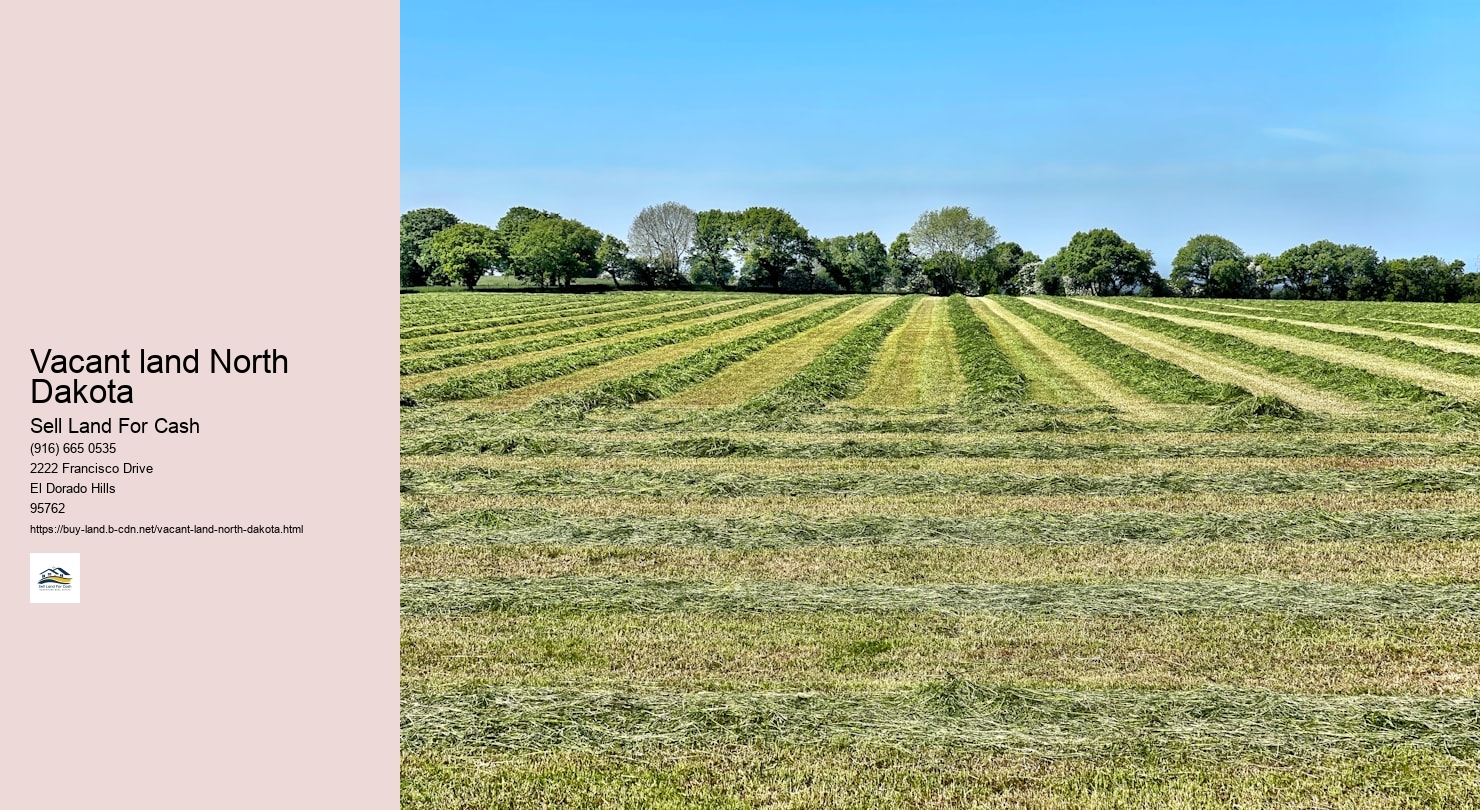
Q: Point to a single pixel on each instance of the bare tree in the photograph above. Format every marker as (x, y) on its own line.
(661, 234)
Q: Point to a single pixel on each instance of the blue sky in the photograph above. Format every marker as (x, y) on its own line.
(1272, 123)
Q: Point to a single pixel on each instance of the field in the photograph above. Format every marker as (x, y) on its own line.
(740, 550)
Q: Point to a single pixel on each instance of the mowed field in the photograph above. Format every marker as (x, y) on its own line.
(745, 550)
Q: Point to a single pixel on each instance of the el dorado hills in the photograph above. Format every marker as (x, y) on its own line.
(78, 391)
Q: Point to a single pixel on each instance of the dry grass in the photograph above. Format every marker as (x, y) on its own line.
(1207, 365)
(804, 607)
(1447, 326)
(412, 381)
(917, 367)
(943, 465)
(859, 652)
(1039, 357)
(1456, 385)
(845, 777)
(585, 378)
(585, 319)
(1433, 343)
(892, 564)
(958, 505)
(769, 368)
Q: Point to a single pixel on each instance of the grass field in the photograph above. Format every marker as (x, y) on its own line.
(732, 550)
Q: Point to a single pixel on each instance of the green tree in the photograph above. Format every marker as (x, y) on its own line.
(905, 273)
(1051, 276)
(714, 241)
(1100, 262)
(612, 257)
(556, 251)
(512, 227)
(1426, 278)
(858, 263)
(1013, 268)
(462, 253)
(955, 248)
(418, 226)
(772, 242)
(1192, 267)
(1324, 270)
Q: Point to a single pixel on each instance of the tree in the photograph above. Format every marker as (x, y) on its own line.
(613, 259)
(1427, 278)
(1232, 278)
(1012, 268)
(661, 234)
(905, 272)
(772, 242)
(462, 253)
(714, 241)
(1100, 262)
(512, 227)
(1192, 267)
(1324, 270)
(1051, 279)
(418, 226)
(954, 246)
(555, 251)
(858, 263)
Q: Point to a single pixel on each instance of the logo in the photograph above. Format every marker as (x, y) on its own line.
(56, 576)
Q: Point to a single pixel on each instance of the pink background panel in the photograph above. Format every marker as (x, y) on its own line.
(179, 176)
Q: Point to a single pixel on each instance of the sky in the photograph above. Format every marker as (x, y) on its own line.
(1270, 123)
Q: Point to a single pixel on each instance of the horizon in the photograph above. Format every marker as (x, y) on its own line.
(1272, 125)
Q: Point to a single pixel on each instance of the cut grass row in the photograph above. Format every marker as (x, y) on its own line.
(1404, 335)
(460, 434)
(1250, 530)
(917, 366)
(1197, 597)
(432, 312)
(1055, 374)
(1401, 559)
(1289, 367)
(1280, 392)
(952, 713)
(494, 381)
(467, 466)
(837, 373)
(499, 318)
(1463, 315)
(851, 652)
(990, 376)
(1152, 377)
(772, 366)
(679, 374)
(598, 504)
(566, 482)
(1435, 355)
(483, 352)
(513, 328)
(638, 364)
(862, 777)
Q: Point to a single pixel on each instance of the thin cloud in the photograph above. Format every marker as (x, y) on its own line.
(1296, 134)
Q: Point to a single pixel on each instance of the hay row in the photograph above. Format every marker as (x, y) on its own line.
(1223, 597)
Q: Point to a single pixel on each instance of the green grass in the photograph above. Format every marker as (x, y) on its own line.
(1345, 380)
(990, 377)
(1157, 379)
(483, 384)
(988, 598)
(839, 372)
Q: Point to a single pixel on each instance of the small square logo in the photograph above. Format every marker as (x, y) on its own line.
(55, 577)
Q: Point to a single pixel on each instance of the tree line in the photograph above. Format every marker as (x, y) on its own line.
(947, 250)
